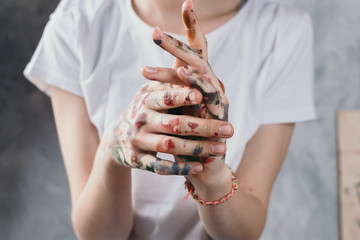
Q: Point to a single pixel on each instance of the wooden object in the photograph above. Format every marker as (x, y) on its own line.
(348, 133)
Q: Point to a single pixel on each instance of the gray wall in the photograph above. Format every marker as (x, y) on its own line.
(304, 200)
(34, 197)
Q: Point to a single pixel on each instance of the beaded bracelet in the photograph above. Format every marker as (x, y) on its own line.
(191, 190)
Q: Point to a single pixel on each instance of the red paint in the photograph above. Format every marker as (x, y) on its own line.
(144, 88)
(187, 100)
(168, 100)
(215, 135)
(134, 112)
(172, 126)
(141, 120)
(144, 100)
(203, 111)
(167, 146)
(135, 109)
(193, 125)
(206, 160)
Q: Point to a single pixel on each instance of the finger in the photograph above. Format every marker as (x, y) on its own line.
(216, 103)
(195, 37)
(173, 98)
(178, 63)
(189, 126)
(179, 146)
(163, 75)
(152, 86)
(178, 49)
(204, 85)
(165, 167)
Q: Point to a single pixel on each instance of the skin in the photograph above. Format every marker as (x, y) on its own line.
(139, 132)
(100, 182)
(194, 71)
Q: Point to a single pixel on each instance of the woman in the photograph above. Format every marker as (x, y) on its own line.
(109, 122)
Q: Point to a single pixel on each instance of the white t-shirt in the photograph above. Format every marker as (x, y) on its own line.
(263, 55)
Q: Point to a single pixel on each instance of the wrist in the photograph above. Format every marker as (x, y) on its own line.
(215, 186)
(114, 175)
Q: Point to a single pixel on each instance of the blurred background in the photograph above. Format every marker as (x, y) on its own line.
(34, 195)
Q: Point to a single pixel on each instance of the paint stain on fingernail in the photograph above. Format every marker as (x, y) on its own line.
(157, 41)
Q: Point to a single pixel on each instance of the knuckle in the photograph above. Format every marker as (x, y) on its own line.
(166, 145)
(208, 129)
(159, 168)
(134, 140)
(180, 126)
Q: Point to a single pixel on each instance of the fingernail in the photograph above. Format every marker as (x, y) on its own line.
(217, 148)
(225, 130)
(191, 4)
(150, 69)
(161, 33)
(186, 72)
(192, 97)
(196, 168)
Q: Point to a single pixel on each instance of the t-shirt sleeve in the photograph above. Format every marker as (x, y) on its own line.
(56, 59)
(288, 94)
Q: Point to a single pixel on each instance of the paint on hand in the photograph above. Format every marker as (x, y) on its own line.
(166, 146)
(172, 126)
(198, 149)
(141, 120)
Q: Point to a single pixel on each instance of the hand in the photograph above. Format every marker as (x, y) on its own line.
(139, 132)
(198, 74)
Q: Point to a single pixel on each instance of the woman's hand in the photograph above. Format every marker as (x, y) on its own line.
(139, 132)
(198, 74)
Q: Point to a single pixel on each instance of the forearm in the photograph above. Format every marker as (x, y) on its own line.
(240, 217)
(103, 210)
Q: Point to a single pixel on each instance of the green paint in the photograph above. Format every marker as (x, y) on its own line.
(150, 169)
(116, 155)
(182, 48)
